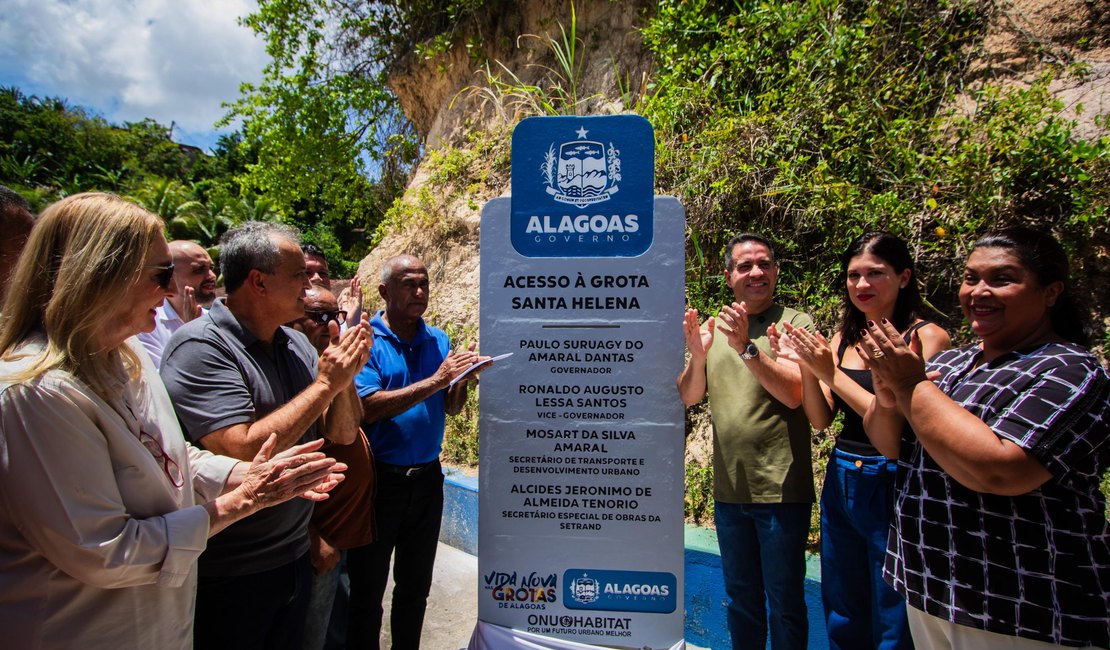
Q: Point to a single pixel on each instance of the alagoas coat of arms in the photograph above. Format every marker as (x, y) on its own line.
(581, 172)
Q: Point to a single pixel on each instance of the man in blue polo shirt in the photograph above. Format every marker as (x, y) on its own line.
(406, 395)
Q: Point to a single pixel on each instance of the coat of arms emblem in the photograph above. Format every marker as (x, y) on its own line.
(581, 172)
(585, 589)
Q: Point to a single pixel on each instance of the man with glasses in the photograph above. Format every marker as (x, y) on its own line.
(237, 376)
(319, 275)
(195, 276)
(346, 519)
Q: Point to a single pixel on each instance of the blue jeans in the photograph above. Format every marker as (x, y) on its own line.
(763, 557)
(329, 592)
(857, 503)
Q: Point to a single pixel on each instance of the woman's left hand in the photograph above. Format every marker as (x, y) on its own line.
(897, 365)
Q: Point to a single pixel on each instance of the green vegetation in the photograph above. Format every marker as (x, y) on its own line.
(50, 149)
(816, 120)
(333, 145)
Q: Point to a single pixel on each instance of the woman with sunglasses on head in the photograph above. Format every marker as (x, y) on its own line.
(1001, 537)
(104, 508)
(877, 281)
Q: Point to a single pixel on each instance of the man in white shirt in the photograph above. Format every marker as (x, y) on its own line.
(195, 276)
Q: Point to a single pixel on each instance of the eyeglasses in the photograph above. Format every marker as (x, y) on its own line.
(169, 466)
(325, 317)
(164, 275)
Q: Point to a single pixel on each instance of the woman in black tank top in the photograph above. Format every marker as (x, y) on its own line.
(877, 281)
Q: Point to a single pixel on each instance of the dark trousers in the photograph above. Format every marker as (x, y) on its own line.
(263, 611)
(407, 512)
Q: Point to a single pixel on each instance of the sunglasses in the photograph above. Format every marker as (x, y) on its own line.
(325, 317)
(164, 276)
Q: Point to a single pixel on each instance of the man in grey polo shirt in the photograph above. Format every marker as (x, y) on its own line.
(235, 376)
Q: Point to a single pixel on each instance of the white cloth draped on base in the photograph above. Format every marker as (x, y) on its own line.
(488, 636)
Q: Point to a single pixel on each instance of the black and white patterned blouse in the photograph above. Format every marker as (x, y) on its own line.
(1036, 565)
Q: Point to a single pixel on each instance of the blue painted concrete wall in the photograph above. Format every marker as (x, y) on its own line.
(706, 626)
(460, 511)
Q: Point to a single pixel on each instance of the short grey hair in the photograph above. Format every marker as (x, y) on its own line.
(252, 245)
(744, 238)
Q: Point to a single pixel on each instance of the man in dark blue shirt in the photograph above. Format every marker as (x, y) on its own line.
(406, 393)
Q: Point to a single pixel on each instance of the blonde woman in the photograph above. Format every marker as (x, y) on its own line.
(104, 508)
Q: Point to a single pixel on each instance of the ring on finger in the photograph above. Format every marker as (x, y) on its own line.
(877, 354)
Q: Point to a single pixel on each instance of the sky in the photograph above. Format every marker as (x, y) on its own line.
(175, 61)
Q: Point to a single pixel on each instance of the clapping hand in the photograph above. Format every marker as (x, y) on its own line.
(346, 354)
(895, 365)
(698, 340)
(735, 325)
(456, 363)
(810, 350)
(781, 344)
(352, 303)
(301, 471)
(190, 310)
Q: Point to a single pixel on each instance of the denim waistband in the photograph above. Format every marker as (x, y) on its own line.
(855, 460)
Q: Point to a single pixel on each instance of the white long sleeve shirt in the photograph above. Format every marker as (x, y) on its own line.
(98, 546)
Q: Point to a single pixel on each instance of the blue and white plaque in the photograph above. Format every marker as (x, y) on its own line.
(581, 470)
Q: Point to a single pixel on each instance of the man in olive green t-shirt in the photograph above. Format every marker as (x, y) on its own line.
(763, 479)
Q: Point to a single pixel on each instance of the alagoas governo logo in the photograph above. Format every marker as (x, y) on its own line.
(620, 591)
(583, 186)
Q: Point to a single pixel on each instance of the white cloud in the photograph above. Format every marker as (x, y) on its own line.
(170, 60)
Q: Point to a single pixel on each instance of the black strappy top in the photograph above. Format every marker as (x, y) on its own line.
(853, 439)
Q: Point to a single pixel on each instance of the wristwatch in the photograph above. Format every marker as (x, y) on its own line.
(749, 352)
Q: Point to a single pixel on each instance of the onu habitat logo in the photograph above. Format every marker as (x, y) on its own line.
(583, 186)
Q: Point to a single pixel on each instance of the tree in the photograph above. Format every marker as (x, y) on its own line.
(333, 143)
(318, 122)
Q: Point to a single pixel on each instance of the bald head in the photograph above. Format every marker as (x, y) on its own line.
(182, 247)
(16, 221)
(320, 308)
(192, 267)
(397, 265)
(320, 299)
(404, 288)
